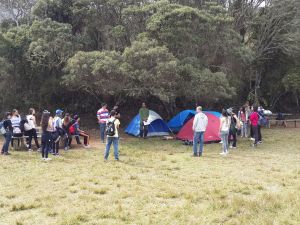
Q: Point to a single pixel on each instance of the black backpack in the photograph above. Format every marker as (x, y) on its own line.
(110, 128)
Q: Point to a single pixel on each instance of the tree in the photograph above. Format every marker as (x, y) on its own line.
(291, 82)
(16, 9)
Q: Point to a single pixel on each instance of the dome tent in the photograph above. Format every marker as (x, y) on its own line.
(157, 127)
(212, 131)
(178, 121)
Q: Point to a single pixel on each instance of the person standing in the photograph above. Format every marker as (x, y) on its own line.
(58, 131)
(144, 115)
(112, 131)
(224, 131)
(254, 119)
(102, 116)
(47, 129)
(243, 118)
(199, 127)
(234, 125)
(116, 109)
(8, 133)
(66, 124)
(16, 124)
(30, 129)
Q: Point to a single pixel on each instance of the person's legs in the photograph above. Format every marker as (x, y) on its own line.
(116, 147)
(141, 129)
(245, 128)
(195, 142)
(102, 131)
(255, 134)
(30, 136)
(259, 133)
(229, 137)
(86, 138)
(145, 131)
(234, 134)
(44, 140)
(108, 144)
(34, 134)
(251, 132)
(201, 139)
(224, 138)
(78, 139)
(8, 138)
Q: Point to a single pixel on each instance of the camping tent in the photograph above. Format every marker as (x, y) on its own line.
(177, 122)
(157, 126)
(212, 130)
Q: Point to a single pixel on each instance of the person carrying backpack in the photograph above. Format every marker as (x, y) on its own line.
(112, 127)
(6, 130)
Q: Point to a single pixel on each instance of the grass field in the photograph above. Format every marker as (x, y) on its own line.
(156, 182)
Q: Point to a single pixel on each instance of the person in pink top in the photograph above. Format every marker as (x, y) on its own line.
(254, 118)
(103, 116)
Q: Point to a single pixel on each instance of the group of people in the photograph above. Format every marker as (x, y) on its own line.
(247, 122)
(65, 127)
(53, 129)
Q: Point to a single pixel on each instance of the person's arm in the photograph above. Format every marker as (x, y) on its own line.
(221, 124)
(194, 123)
(98, 115)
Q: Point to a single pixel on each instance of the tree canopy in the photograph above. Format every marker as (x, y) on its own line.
(174, 52)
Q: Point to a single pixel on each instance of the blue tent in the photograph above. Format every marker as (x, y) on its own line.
(157, 126)
(177, 122)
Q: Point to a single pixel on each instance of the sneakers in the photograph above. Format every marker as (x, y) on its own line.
(224, 153)
(30, 150)
(86, 146)
(221, 142)
(260, 142)
(66, 148)
(39, 149)
(252, 139)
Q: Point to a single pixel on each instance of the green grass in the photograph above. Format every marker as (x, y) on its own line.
(156, 182)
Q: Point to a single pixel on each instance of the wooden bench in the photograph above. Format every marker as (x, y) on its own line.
(284, 122)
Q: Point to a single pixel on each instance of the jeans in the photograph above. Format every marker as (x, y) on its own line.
(244, 129)
(232, 133)
(115, 142)
(102, 131)
(18, 136)
(46, 143)
(7, 137)
(143, 130)
(224, 138)
(198, 137)
(255, 134)
(32, 134)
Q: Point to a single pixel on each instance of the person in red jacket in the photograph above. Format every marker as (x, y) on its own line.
(254, 118)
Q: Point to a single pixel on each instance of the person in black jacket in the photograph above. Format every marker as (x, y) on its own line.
(8, 135)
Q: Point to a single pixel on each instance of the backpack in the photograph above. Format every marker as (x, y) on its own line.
(110, 128)
(233, 124)
(2, 129)
(72, 129)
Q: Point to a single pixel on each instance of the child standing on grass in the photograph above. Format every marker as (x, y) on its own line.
(8, 133)
(224, 131)
(112, 136)
(47, 129)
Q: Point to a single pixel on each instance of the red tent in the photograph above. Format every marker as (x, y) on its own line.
(212, 130)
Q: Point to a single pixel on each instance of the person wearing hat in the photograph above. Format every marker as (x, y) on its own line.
(78, 131)
(234, 126)
(57, 130)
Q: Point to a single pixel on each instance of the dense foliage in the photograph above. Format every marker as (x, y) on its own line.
(176, 53)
